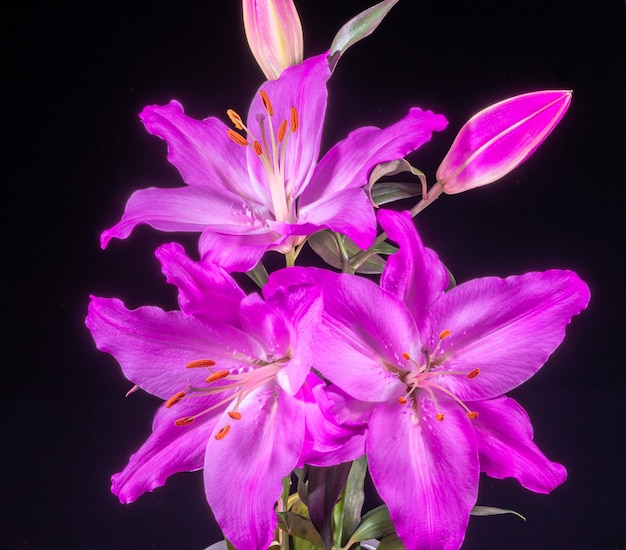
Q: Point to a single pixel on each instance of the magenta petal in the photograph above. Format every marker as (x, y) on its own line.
(507, 328)
(426, 472)
(349, 163)
(204, 290)
(506, 448)
(153, 346)
(499, 138)
(243, 472)
(169, 449)
(414, 274)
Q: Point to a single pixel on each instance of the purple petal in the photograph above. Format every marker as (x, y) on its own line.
(303, 87)
(506, 448)
(348, 164)
(414, 274)
(204, 290)
(507, 328)
(251, 461)
(499, 138)
(425, 471)
(169, 449)
(153, 346)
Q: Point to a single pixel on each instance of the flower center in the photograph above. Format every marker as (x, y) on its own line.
(270, 147)
(236, 383)
(425, 377)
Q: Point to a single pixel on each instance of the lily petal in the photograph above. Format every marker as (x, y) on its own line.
(506, 448)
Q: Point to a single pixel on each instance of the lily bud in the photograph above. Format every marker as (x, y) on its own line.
(499, 138)
(274, 34)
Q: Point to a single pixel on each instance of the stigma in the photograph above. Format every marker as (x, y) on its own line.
(423, 378)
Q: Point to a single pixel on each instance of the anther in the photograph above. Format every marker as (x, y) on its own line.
(444, 334)
(406, 356)
(402, 400)
(217, 376)
(235, 415)
(238, 138)
(184, 421)
(257, 148)
(294, 121)
(474, 373)
(235, 119)
(223, 432)
(200, 363)
(267, 103)
(174, 399)
(439, 417)
(282, 130)
(472, 414)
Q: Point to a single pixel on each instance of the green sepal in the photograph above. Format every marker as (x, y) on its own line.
(374, 525)
(493, 511)
(297, 526)
(364, 24)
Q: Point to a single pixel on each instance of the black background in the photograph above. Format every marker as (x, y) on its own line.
(77, 77)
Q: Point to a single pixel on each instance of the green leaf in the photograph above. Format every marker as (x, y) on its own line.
(382, 193)
(347, 512)
(390, 191)
(374, 525)
(258, 274)
(325, 246)
(492, 511)
(391, 542)
(364, 24)
(297, 526)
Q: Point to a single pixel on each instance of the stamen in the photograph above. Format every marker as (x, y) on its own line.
(444, 334)
(439, 416)
(200, 363)
(257, 148)
(402, 400)
(235, 415)
(217, 376)
(184, 421)
(472, 415)
(237, 138)
(474, 373)
(223, 432)
(235, 119)
(267, 103)
(174, 399)
(294, 121)
(406, 356)
(282, 129)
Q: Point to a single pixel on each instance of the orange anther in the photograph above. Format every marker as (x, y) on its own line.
(184, 421)
(235, 415)
(223, 432)
(294, 121)
(474, 373)
(402, 400)
(472, 415)
(444, 334)
(200, 363)
(406, 356)
(217, 376)
(439, 417)
(235, 119)
(257, 148)
(267, 103)
(174, 399)
(238, 138)
(282, 130)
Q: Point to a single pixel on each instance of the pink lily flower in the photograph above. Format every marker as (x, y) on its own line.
(240, 401)
(499, 138)
(266, 190)
(274, 34)
(434, 367)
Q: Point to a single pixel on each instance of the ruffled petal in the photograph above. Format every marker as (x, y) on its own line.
(184, 209)
(506, 448)
(349, 163)
(251, 461)
(153, 346)
(204, 290)
(169, 449)
(303, 87)
(414, 274)
(507, 328)
(426, 472)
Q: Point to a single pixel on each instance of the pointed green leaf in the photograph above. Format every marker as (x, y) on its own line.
(391, 542)
(375, 524)
(364, 24)
(258, 274)
(384, 192)
(347, 512)
(492, 511)
(391, 191)
(325, 246)
(297, 526)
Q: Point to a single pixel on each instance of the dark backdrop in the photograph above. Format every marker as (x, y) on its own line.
(76, 78)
